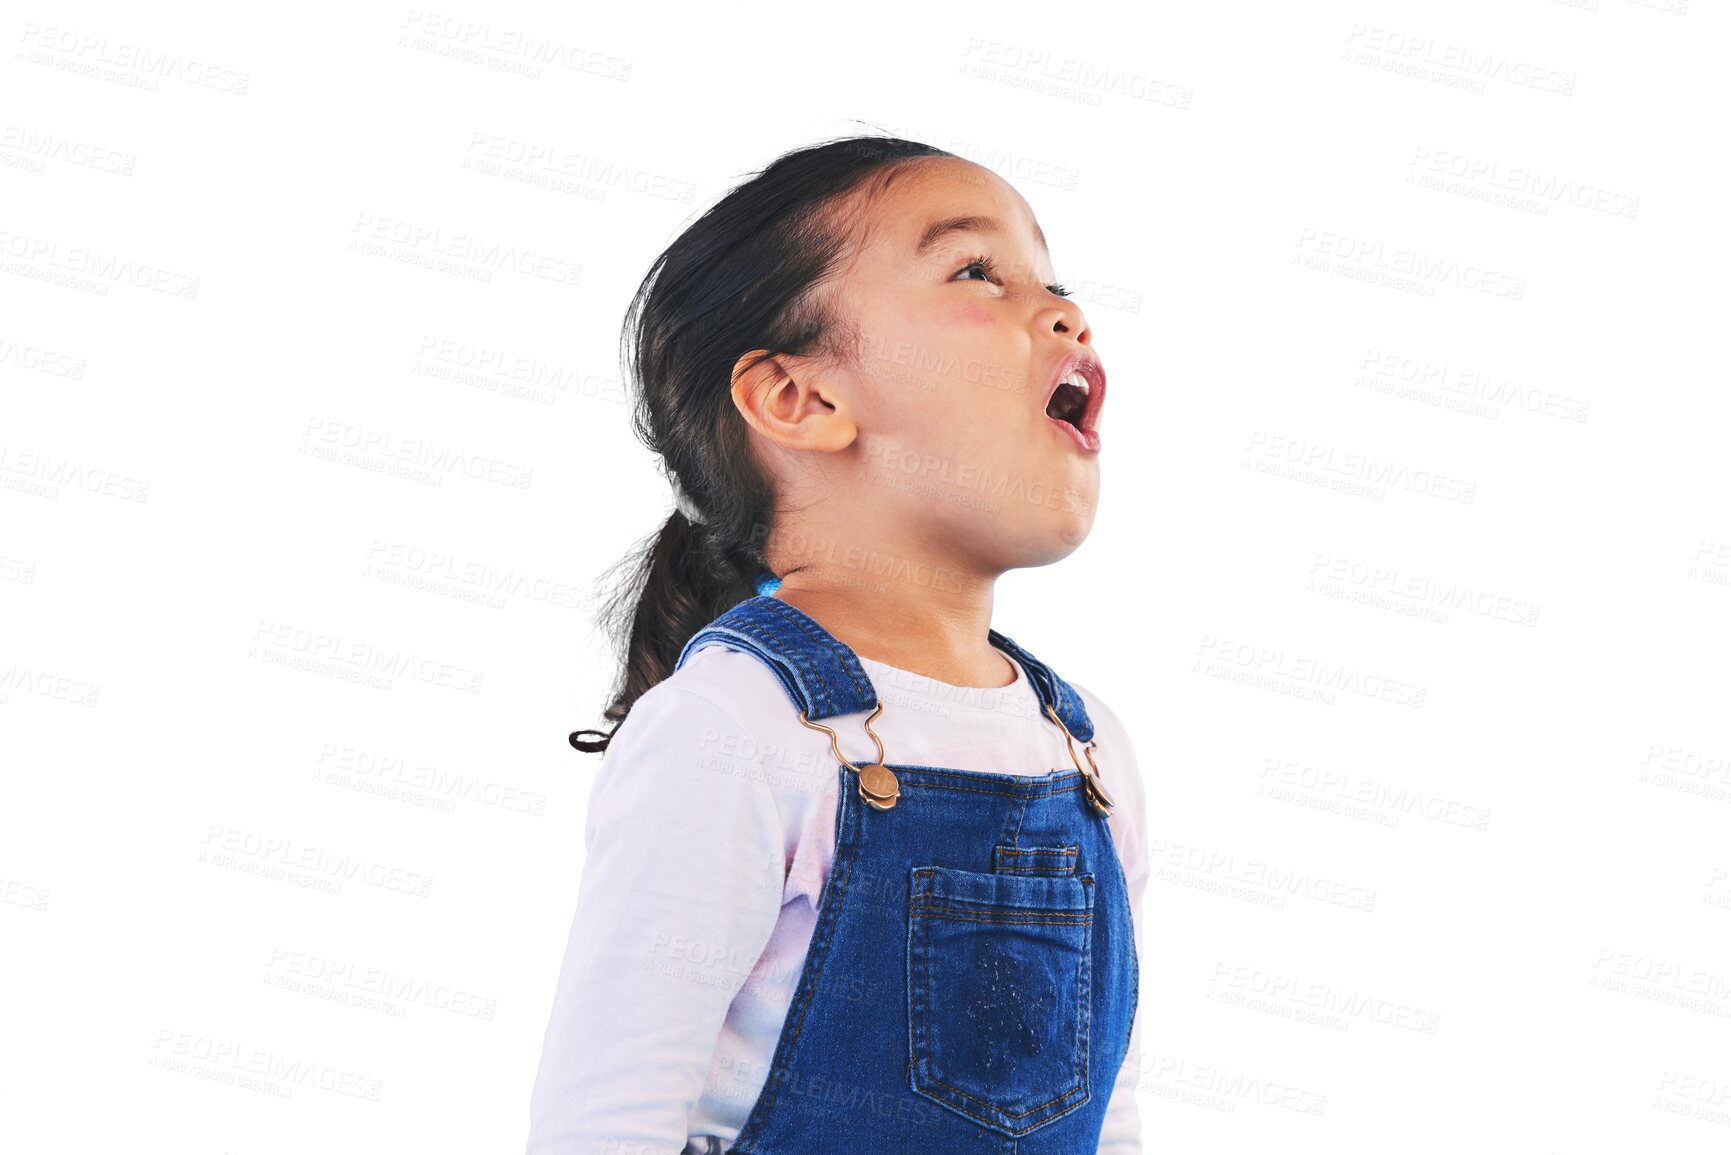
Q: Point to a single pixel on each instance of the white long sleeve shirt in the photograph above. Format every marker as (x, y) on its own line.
(711, 830)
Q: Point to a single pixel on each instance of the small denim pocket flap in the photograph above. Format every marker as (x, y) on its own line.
(1007, 859)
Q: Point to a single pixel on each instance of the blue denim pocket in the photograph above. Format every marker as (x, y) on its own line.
(999, 994)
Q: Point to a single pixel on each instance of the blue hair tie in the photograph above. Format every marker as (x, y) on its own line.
(768, 583)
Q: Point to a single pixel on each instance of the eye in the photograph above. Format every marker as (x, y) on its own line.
(983, 263)
(989, 267)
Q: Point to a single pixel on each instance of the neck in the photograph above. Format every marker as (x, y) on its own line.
(939, 634)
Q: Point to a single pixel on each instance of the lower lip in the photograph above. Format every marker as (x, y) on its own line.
(1088, 442)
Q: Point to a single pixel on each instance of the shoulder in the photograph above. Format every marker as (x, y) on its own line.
(716, 724)
(717, 683)
(733, 681)
(713, 757)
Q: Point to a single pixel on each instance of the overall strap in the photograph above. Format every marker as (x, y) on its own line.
(822, 674)
(819, 672)
(1053, 690)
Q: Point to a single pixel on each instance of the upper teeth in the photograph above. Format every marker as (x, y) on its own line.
(1076, 379)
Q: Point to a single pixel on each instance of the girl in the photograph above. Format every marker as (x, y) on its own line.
(863, 874)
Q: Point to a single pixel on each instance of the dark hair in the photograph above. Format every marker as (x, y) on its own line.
(747, 275)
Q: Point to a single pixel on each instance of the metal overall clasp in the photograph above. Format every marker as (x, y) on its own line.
(1091, 784)
(878, 787)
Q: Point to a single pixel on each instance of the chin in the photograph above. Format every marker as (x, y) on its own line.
(1074, 534)
(1062, 533)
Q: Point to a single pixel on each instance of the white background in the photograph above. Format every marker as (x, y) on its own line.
(1410, 577)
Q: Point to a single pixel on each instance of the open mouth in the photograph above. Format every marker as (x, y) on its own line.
(1070, 400)
(1076, 398)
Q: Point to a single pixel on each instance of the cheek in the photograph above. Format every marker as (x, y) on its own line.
(972, 314)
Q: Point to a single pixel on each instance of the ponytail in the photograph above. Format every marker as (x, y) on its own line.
(687, 581)
(746, 277)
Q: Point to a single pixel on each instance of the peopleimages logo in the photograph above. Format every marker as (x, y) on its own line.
(1423, 56)
(1373, 256)
(1527, 187)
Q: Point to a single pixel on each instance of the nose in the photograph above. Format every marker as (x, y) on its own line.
(1067, 318)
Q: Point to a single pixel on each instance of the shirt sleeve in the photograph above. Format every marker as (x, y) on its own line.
(1121, 1133)
(680, 891)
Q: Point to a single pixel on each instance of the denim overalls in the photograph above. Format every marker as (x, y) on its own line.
(972, 979)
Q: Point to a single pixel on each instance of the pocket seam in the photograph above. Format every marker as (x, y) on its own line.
(1034, 860)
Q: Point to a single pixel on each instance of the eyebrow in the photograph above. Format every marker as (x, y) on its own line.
(939, 229)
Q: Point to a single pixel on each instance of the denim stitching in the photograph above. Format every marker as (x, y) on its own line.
(1011, 1114)
(790, 655)
(813, 629)
(951, 914)
(740, 638)
(1085, 976)
(1039, 860)
(974, 905)
(924, 891)
(819, 687)
(1053, 793)
(1011, 783)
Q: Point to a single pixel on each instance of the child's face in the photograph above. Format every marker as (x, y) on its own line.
(954, 448)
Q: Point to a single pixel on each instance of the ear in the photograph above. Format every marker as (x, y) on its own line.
(793, 402)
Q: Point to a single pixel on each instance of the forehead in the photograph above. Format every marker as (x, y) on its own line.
(932, 205)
